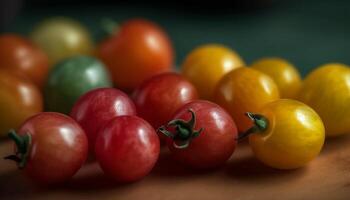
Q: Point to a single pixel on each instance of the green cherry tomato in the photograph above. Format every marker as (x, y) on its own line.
(72, 78)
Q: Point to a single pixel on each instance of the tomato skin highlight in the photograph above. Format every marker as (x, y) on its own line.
(245, 90)
(127, 148)
(70, 79)
(294, 137)
(159, 97)
(96, 108)
(285, 75)
(327, 91)
(207, 64)
(22, 56)
(58, 150)
(19, 99)
(215, 144)
(139, 50)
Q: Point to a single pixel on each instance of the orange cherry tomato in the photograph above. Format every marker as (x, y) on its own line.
(285, 75)
(207, 64)
(22, 56)
(245, 90)
(137, 51)
(19, 99)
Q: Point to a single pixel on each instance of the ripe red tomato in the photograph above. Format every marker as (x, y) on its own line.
(159, 97)
(201, 135)
(97, 107)
(139, 50)
(127, 148)
(50, 147)
(20, 55)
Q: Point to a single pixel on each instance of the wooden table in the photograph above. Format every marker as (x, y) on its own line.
(243, 178)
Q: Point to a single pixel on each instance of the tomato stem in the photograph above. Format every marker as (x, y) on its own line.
(260, 124)
(23, 143)
(109, 26)
(184, 131)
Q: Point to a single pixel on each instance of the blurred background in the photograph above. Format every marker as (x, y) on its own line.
(306, 32)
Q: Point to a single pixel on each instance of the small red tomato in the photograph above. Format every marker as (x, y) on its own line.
(139, 50)
(202, 135)
(159, 97)
(97, 107)
(127, 148)
(20, 55)
(50, 147)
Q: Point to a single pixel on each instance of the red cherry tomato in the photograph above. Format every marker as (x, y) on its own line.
(159, 97)
(127, 148)
(20, 55)
(201, 135)
(50, 147)
(139, 50)
(97, 107)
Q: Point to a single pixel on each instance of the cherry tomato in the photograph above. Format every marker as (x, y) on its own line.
(62, 37)
(207, 64)
(72, 78)
(127, 148)
(159, 97)
(94, 109)
(201, 135)
(286, 134)
(245, 90)
(285, 75)
(20, 55)
(19, 99)
(327, 90)
(139, 50)
(50, 147)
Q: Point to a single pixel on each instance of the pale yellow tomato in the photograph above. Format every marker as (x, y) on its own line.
(287, 135)
(207, 64)
(285, 75)
(245, 90)
(327, 91)
(61, 38)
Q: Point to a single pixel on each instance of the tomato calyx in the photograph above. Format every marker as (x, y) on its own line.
(184, 131)
(261, 123)
(23, 144)
(109, 27)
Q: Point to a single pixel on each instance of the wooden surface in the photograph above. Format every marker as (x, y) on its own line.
(242, 178)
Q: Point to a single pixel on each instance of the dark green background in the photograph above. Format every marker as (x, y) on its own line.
(308, 33)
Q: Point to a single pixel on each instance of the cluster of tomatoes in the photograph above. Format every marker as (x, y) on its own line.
(200, 113)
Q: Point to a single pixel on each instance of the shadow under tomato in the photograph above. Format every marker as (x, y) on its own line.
(335, 143)
(249, 168)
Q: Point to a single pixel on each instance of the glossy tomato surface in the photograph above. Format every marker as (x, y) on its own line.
(207, 64)
(295, 135)
(327, 91)
(20, 55)
(72, 78)
(215, 143)
(19, 99)
(245, 90)
(159, 97)
(127, 148)
(58, 147)
(96, 108)
(61, 38)
(285, 75)
(139, 50)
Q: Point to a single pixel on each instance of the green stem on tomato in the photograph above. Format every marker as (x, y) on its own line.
(109, 26)
(260, 125)
(23, 143)
(184, 131)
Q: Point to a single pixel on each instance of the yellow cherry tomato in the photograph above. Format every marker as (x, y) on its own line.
(245, 90)
(286, 134)
(327, 91)
(206, 64)
(61, 38)
(285, 75)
